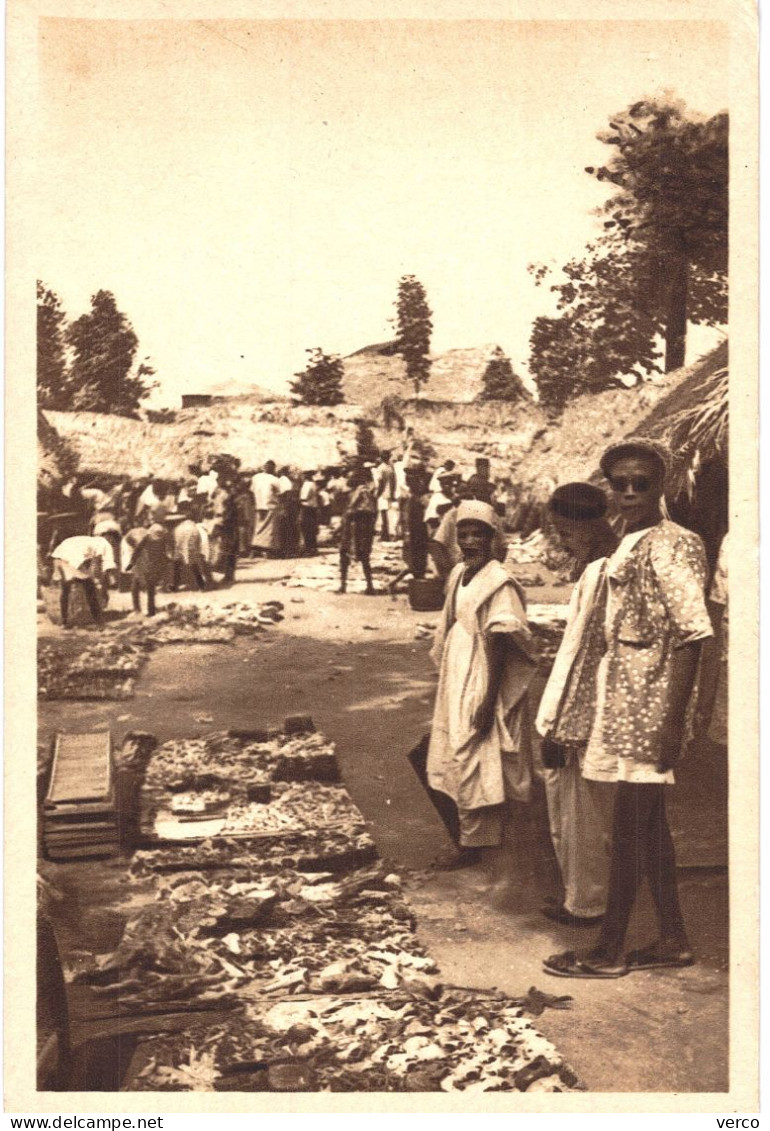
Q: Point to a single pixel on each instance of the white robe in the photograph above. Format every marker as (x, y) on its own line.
(473, 771)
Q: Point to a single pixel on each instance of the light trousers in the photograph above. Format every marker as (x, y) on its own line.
(580, 820)
(481, 828)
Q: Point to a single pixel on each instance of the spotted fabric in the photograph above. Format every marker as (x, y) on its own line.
(658, 606)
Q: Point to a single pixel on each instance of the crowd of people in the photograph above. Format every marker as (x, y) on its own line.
(615, 714)
(168, 533)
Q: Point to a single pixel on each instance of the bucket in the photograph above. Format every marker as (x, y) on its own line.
(426, 595)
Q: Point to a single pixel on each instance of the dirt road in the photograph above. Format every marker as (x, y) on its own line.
(354, 664)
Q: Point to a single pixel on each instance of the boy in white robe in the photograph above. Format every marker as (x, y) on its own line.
(478, 753)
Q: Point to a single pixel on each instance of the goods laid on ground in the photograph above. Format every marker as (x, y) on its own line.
(203, 624)
(322, 572)
(285, 926)
(107, 668)
(464, 1041)
(286, 933)
(329, 851)
(224, 758)
(102, 671)
(79, 812)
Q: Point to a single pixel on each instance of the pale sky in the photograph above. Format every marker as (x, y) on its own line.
(249, 189)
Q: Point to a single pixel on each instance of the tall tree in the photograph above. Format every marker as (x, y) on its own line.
(413, 329)
(671, 176)
(500, 383)
(320, 382)
(104, 346)
(51, 359)
(660, 264)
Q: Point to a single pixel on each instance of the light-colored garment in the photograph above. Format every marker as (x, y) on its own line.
(148, 499)
(205, 541)
(188, 544)
(580, 821)
(308, 494)
(436, 502)
(385, 481)
(655, 604)
(401, 488)
(477, 772)
(268, 530)
(82, 557)
(150, 553)
(96, 497)
(105, 524)
(207, 483)
(579, 810)
(566, 664)
(264, 487)
(284, 485)
(435, 479)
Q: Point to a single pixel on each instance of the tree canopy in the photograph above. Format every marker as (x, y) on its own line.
(320, 382)
(51, 358)
(414, 328)
(500, 383)
(660, 263)
(88, 364)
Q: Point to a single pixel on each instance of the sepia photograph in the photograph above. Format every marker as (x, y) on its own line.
(384, 545)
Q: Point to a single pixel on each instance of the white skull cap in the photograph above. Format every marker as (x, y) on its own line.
(471, 510)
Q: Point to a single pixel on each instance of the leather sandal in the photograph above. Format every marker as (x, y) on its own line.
(569, 965)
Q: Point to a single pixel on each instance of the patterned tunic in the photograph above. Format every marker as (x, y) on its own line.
(655, 605)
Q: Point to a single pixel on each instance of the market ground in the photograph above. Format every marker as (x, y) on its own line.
(354, 664)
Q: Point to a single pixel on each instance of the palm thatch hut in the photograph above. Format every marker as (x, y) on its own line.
(120, 446)
(693, 421)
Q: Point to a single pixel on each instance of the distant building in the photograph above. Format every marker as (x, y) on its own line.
(196, 400)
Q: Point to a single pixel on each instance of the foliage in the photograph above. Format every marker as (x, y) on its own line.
(661, 262)
(671, 174)
(51, 358)
(104, 346)
(605, 328)
(414, 328)
(320, 383)
(500, 381)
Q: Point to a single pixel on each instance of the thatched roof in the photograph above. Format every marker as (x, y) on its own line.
(571, 448)
(118, 445)
(693, 420)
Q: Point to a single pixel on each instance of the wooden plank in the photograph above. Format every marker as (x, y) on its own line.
(82, 767)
